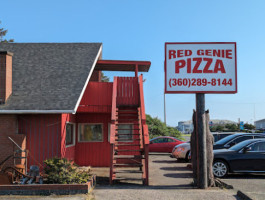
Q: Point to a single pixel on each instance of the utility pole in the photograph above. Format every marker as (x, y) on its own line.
(165, 117)
(201, 141)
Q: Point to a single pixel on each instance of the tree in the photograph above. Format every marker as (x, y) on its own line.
(104, 78)
(158, 128)
(232, 127)
(249, 126)
(3, 33)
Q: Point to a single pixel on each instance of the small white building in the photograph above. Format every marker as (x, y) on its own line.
(260, 124)
(185, 127)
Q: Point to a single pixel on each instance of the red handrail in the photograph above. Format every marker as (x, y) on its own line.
(113, 111)
(141, 90)
(114, 96)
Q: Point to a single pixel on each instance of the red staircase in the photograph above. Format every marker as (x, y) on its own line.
(129, 133)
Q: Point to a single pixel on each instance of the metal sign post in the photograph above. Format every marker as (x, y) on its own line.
(201, 68)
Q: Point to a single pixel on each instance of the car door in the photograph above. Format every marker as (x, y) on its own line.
(256, 156)
(171, 143)
(251, 160)
(156, 145)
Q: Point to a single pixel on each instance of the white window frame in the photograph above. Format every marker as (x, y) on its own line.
(74, 128)
(102, 125)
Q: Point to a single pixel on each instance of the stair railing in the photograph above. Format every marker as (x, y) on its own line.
(144, 130)
(113, 127)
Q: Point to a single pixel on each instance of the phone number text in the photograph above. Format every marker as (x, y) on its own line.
(199, 82)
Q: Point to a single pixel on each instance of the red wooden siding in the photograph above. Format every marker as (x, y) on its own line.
(93, 153)
(96, 98)
(43, 133)
(67, 152)
(127, 91)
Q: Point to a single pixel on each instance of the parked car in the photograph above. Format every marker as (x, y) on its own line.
(245, 157)
(163, 144)
(182, 151)
(236, 138)
(220, 135)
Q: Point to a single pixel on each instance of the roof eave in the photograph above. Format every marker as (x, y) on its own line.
(36, 111)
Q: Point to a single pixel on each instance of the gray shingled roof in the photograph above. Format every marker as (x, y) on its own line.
(49, 77)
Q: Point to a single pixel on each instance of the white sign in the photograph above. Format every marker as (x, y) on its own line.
(200, 67)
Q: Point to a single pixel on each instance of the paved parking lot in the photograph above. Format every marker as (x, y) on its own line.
(251, 184)
(169, 179)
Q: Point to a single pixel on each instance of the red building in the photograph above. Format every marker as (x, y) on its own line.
(53, 103)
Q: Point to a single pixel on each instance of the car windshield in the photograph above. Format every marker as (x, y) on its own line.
(226, 139)
(240, 145)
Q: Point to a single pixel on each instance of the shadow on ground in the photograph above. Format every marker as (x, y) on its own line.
(165, 161)
(246, 176)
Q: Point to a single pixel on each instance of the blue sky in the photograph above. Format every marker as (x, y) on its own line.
(137, 30)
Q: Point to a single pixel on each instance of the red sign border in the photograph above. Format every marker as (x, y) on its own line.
(206, 92)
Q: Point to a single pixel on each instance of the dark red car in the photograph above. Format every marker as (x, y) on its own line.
(163, 144)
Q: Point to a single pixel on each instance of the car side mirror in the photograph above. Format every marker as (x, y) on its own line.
(227, 145)
(246, 149)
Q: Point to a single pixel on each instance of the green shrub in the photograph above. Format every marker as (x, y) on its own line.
(62, 171)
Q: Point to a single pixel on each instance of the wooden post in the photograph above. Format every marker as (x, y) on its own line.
(136, 70)
(201, 141)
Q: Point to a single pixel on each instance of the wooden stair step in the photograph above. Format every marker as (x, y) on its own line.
(118, 140)
(127, 144)
(128, 150)
(128, 179)
(127, 165)
(127, 134)
(122, 129)
(127, 119)
(128, 156)
(127, 109)
(127, 114)
(128, 171)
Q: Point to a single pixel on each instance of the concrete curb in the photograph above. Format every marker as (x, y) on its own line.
(243, 196)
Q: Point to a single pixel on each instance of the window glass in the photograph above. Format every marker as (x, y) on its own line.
(259, 146)
(240, 139)
(170, 140)
(69, 138)
(90, 133)
(125, 132)
(259, 136)
(158, 140)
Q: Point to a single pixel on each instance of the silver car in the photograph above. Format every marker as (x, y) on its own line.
(181, 151)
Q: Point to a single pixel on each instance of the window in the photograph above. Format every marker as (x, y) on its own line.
(259, 136)
(70, 134)
(170, 140)
(90, 133)
(259, 147)
(160, 140)
(240, 139)
(125, 132)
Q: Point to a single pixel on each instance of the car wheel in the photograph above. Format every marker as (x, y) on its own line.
(187, 156)
(220, 168)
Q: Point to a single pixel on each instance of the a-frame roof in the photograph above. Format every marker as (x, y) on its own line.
(49, 77)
